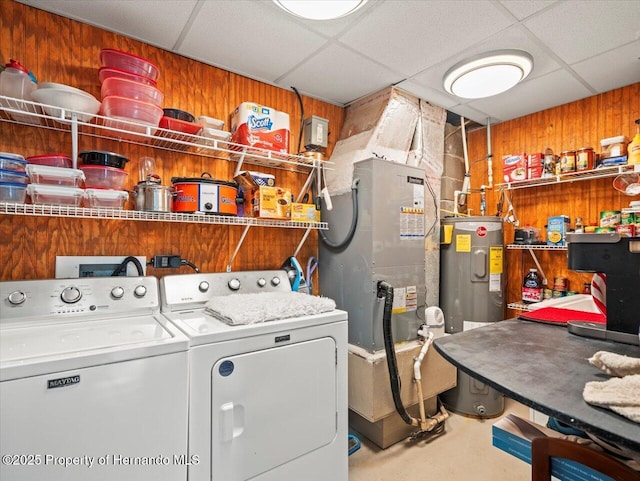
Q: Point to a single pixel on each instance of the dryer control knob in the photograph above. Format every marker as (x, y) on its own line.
(234, 284)
(203, 286)
(17, 297)
(262, 282)
(275, 281)
(70, 295)
(140, 291)
(117, 292)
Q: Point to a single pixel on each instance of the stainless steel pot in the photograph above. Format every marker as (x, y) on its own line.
(151, 196)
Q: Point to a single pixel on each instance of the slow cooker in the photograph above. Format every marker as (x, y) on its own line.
(204, 194)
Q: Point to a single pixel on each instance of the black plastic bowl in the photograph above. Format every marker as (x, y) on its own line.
(108, 159)
(179, 114)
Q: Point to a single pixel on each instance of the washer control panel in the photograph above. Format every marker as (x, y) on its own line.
(186, 291)
(91, 296)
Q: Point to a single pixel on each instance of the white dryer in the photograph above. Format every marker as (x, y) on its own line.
(268, 400)
(93, 382)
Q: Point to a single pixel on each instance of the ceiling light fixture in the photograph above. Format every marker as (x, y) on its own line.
(320, 9)
(488, 74)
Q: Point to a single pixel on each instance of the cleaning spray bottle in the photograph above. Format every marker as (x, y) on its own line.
(634, 147)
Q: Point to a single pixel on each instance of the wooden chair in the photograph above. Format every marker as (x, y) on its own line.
(543, 448)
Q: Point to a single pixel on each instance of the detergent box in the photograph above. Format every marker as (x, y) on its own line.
(259, 126)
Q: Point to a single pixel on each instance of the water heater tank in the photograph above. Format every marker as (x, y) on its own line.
(471, 294)
(471, 271)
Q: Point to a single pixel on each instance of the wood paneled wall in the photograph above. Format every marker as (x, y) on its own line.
(61, 50)
(570, 126)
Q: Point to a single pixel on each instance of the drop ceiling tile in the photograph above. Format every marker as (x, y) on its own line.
(557, 88)
(522, 9)
(597, 70)
(578, 29)
(433, 96)
(162, 25)
(338, 75)
(248, 38)
(515, 37)
(409, 36)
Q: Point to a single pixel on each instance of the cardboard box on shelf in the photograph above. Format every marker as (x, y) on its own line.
(535, 164)
(514, 167)
(304, 212)
(271, 202)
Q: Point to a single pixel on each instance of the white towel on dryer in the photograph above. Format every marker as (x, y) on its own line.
(238, 309)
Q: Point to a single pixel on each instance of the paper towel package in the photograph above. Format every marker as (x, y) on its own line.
(259, 126)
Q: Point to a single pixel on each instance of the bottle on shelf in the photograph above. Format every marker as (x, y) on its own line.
(634, 147)
(532, 287)
(579, 228)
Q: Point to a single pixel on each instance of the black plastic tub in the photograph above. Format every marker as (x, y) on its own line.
(98, 157)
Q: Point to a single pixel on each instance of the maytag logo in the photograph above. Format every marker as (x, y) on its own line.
(63, 381)
(415, 180)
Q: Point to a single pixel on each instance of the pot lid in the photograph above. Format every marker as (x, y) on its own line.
(202, 180)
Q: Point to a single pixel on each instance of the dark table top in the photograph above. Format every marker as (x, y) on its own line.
(545, 367)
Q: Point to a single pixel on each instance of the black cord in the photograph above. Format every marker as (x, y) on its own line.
(123, 265)
(301, 118)
(185, 262)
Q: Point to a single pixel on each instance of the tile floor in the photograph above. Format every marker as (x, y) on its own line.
(463, 453)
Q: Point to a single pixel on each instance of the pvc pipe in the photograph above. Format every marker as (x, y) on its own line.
(489, 155)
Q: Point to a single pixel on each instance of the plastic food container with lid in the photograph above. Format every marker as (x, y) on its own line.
(13, 176)
(52, 160)
(103, 177)
(210, 122)
(110, 57)
(9, 161)
(99, 157)
(614, 146)
(107, 198)
(12, 192)
(61, 97)
(142, 113)
(122, 87)
(16, 82)
(44, 174)
(105, 73)
(54, 194)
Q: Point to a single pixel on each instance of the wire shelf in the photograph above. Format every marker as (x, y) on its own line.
(518, 306)
(599, 173)
(539, 247)
(46, 210)
(40, 115)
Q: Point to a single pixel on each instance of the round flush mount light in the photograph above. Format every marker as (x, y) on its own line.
(488, 74)
(320, 9)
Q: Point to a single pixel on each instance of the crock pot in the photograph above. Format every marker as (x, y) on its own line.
(204, 194)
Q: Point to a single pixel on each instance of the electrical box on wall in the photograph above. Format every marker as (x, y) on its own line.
(70, 267)
(316, 130)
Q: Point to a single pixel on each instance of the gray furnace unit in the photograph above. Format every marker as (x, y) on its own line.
(388, 244)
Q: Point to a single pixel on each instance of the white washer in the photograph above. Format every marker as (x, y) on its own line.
(267, 401)
(93, 382)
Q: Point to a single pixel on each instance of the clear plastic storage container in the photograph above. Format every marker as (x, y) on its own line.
(12, 192)
(17, 83)
(103, 177)
(44, 174)
(114, 199)
(9, 161)
(13, 176)
(54, 194)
